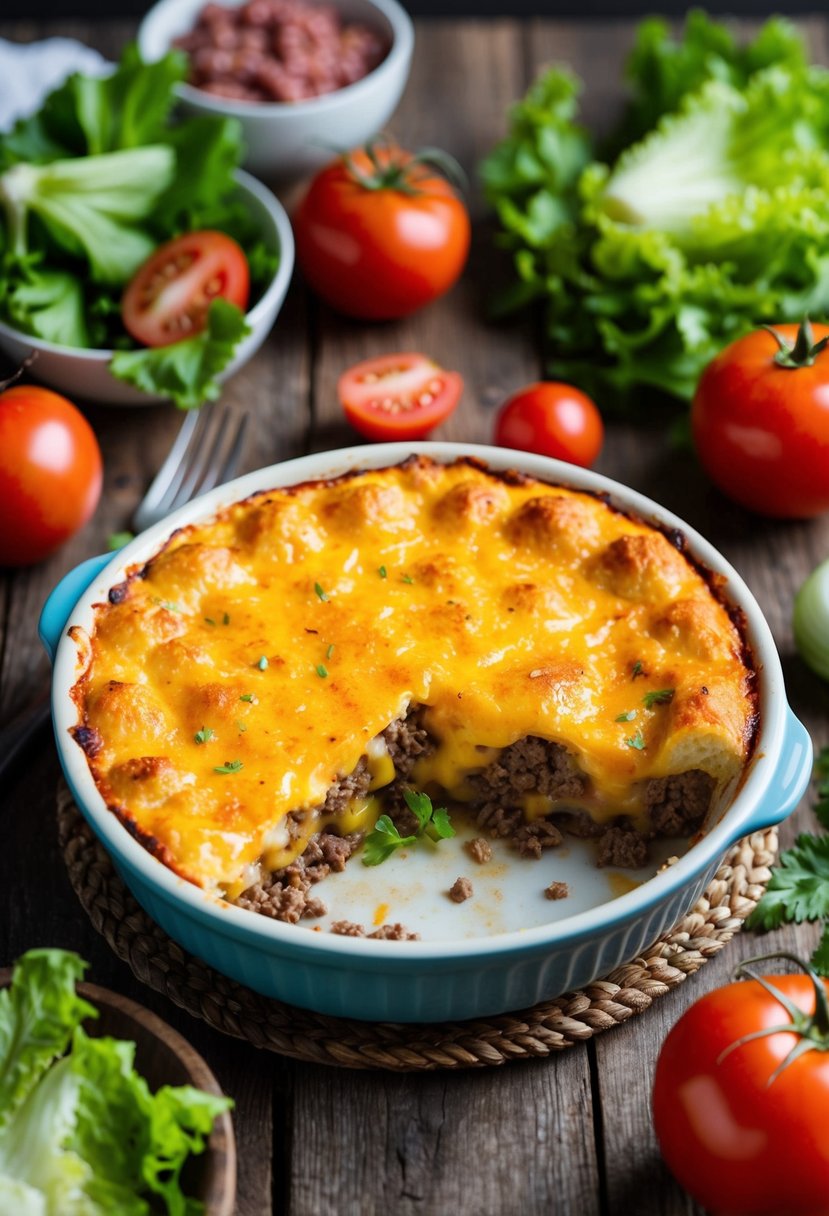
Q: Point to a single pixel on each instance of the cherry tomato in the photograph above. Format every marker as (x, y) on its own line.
(760, 421)
(50, 473)
(398, 396)
(745, 1136)
(168, 297)
(551, 419)
(381, 233)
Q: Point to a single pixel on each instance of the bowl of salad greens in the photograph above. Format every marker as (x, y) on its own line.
(103, 1107)
(111, 215)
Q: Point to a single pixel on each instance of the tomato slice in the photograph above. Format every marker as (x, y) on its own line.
(168, 297)
(398, 396)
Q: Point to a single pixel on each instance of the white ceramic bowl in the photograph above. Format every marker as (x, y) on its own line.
(85, 374)
(287, 140)
(474, 959)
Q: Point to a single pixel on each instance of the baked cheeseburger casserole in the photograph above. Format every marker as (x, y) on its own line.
(255, 696)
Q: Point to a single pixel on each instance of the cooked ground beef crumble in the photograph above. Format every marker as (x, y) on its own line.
(556, 890)
(676, 806)
(461, 890)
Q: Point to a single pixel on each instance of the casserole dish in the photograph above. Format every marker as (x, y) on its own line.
(460, 971)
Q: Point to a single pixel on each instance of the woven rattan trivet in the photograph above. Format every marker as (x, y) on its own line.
(547, 1028)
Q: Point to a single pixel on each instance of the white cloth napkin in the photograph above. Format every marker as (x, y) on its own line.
(30, 70)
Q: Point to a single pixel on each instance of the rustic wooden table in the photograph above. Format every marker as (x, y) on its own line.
(569, 1135)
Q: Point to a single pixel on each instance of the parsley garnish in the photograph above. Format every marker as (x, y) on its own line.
(385, 838)
(661, 697)
(638, 741)
(798, 889)
(170, 605)
(204, 735)
(225, 618)
(329, 651)
(637, 669)
(209, 620)
(117, 540)
(321, 670)
(240, 726)
(383, 572)
(247, 696)
(263, 662)
(407, 578)
(230, 766)
(628, 716)
(320, 592)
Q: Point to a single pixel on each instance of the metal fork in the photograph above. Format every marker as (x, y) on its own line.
(204, 454)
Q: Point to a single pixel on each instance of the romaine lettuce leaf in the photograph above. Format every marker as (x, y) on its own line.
(39, 1012)
(717, 219)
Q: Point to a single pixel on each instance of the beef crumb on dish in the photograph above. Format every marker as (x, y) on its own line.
(556, 890)
(479, 850)
(386, 933)
(461, 890)
(278, 51)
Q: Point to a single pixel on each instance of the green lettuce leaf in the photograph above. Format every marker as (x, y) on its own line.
(715, 220)
(186, 371)
(46, 303)
(39, 1013)
(87, 1137)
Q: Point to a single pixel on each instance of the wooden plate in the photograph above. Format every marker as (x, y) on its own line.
(164, 1057)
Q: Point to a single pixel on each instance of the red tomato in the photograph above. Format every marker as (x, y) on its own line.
(50, 473)
(379, 238)
(551, 419)
(398, 396)
(168, 297)
(762, 429)
(741, 1140)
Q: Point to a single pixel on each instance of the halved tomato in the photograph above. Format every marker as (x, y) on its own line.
(398, 396)
(168, 297)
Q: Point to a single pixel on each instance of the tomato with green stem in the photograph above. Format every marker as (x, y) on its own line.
(741, 1094)
(381, 231)
(760, 420)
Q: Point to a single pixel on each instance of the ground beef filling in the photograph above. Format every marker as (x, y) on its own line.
(676, 806)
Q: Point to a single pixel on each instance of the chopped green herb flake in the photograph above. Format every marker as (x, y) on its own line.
(263, 662)
(208, 620)
(661, 697)
(638, 741)
(329, 651)
(117, 540)
(247, 696)
(637, 670)
(170, 606)
(383, 572)
(204, 735)
(240, 726)
(225, 618)
(628, 716)
(320, 592)
(230, 766)
(322, 671)
(407, 578)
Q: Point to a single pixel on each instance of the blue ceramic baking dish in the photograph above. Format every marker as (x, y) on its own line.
(462, 969)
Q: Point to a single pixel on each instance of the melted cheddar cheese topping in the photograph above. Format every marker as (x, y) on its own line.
(251, 663)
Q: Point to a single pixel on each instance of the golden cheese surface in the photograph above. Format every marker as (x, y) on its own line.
(247, 666)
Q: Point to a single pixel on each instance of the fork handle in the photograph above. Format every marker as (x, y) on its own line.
(58, 607)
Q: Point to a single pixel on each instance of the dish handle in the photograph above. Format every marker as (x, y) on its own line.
(789, 781)
(63, 599)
